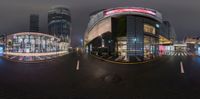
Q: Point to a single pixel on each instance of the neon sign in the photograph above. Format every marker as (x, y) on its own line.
(121, 10)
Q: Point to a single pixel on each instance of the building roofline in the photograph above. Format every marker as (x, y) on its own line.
(33, 33)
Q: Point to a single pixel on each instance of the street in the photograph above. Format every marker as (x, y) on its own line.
(80, 76)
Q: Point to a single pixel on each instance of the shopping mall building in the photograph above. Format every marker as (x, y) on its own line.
(32, 46)
(127, 33)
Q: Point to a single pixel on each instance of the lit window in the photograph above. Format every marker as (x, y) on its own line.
(149, 29)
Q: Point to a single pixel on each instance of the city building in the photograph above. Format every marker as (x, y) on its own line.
(33, 46)
(126, 34)
(2, 44)
(193, 44)
(167, 38)
(34, 23)
(59, 23)
(2, 39)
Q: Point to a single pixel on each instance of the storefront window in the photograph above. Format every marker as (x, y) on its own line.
(122, 48)
(149, 47)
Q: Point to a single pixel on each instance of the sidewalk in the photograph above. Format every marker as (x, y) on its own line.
(117, 62)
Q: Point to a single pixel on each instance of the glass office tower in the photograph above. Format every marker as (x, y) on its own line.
(59, 22)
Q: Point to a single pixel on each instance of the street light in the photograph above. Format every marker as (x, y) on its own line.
(81, 42)
(157, 25)
(134, 39)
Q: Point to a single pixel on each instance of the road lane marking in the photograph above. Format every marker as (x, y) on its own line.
(182, 69)
(77, 66)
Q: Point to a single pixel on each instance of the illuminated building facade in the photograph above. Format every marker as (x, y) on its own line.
(130, 33)
(59, 23)
(167, 38)
(31, 46)
(193, 44)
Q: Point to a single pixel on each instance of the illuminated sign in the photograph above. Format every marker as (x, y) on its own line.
(149, 29)
(121, 10)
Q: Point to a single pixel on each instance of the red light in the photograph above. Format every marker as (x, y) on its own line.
(121, 10)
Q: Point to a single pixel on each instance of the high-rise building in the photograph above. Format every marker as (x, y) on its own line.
(59, 23)
(34, 23)
(168, 31)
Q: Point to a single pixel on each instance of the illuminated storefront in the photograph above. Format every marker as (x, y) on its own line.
(31, 46)
(127, 33)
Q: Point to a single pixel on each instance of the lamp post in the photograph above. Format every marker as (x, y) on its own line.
(81, 42)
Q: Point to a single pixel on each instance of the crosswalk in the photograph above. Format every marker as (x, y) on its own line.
(178, 54)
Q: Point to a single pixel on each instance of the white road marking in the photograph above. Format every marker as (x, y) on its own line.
(182, 69)
(185, 54)
(77, 66)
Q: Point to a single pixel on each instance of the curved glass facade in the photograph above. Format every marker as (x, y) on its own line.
(31, 46)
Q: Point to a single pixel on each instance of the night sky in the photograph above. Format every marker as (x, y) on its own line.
(184, 15)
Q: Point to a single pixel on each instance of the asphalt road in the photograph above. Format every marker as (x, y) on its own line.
(79, 76)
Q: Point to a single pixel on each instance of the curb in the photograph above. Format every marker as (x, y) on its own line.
(131, 63)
